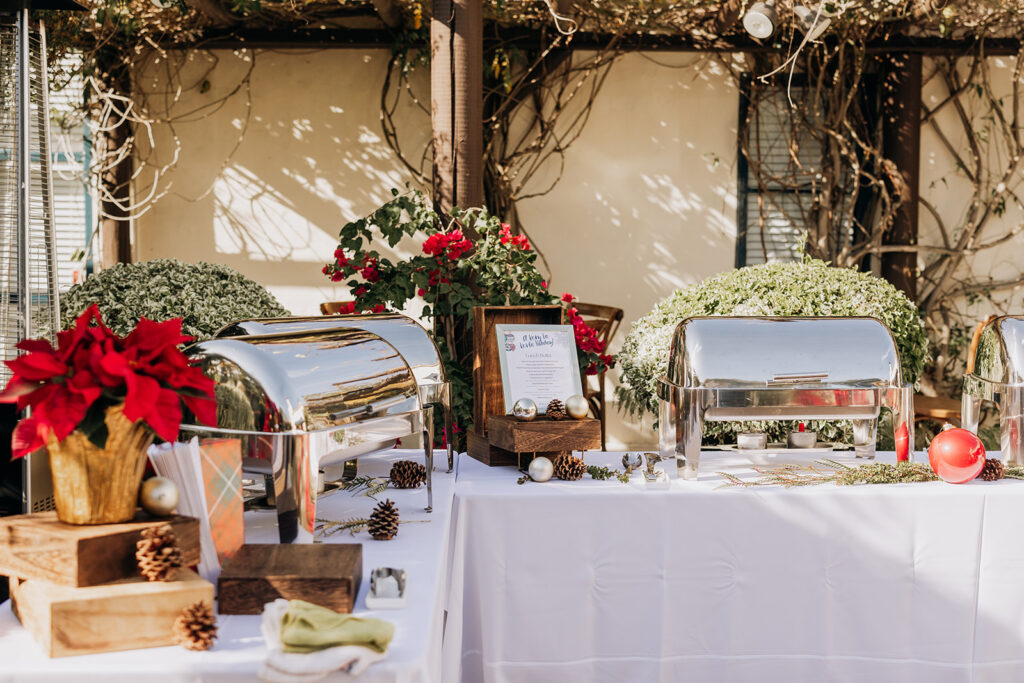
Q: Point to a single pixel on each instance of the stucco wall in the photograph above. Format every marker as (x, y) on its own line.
(264, 181)
(646, 202)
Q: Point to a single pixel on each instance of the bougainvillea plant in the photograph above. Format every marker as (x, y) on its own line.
(470, 259)
(71, 386)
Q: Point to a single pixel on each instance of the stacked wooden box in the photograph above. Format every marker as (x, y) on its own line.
(77, 589)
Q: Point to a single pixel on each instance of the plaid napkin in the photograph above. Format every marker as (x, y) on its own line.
(221, 461)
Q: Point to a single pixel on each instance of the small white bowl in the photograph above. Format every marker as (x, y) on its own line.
(752, 441)
(802, 439)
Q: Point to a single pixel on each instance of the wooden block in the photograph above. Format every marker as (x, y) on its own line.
(125, 615)
(38, 546)
(544, 434)
(326, 574)
(479, 448)
(488, 398)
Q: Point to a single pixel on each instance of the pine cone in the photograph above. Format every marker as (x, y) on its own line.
(383, 523)
(407, 474)
(570, 468)
(196, 627)
(556, 410)
(992, 470)
(157, 553)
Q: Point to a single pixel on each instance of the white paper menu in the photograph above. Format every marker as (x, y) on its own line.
(538, 362)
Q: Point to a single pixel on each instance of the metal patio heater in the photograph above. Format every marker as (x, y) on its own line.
(28, 266)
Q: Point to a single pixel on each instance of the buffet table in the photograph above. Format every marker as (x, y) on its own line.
(414, 654)
(606, 581)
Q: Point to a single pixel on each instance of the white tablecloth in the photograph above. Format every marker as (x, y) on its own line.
(604, 581)
(415, 652)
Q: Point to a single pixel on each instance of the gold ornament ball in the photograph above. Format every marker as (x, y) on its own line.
(159, 496)
(577, 407)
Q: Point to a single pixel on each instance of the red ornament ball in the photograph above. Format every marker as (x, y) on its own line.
(956, 455)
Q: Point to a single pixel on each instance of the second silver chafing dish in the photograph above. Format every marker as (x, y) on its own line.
(301, 400)
(767, 368)
(995, 372)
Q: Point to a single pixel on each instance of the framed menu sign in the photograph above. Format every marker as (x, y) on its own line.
(538, 362)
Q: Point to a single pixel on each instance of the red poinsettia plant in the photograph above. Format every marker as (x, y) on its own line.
(92, 369)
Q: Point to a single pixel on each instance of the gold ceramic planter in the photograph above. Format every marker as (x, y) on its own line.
(93, 485)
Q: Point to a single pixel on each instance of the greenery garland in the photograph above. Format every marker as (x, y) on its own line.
(831, 472)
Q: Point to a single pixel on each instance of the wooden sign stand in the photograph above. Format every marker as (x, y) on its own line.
(498, 439)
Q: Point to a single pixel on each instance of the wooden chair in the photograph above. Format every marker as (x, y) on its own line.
(948, 409)
(332, 307)
(606, 320)
(936, 408)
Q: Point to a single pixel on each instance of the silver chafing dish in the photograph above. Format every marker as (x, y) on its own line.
(402, 332)
(995, 372)
(762, 368)
(302, 400)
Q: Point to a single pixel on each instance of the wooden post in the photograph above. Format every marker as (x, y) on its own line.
(115, 222)
(456, 92)
(901, 142)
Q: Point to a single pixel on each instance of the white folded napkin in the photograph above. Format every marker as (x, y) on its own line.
(294, 667)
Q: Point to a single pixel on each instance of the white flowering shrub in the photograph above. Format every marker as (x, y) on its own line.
(205, 296)
(807, 288)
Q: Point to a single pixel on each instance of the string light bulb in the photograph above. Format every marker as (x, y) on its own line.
(761, 20)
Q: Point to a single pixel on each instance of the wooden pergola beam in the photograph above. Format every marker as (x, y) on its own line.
(456, 97)
(370, 38)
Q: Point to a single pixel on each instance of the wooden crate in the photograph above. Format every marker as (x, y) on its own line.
(124, 615)
(488, 398)
(544, 435)
(515, 443)
(326, 574)
(39, 546)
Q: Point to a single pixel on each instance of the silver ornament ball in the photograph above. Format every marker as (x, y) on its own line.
(577, 407)
(524, 410)
(541, 469)
(159, 496)
(631, 461)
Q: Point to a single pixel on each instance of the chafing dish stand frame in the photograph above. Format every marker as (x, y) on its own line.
(997, 375)
(295, 469)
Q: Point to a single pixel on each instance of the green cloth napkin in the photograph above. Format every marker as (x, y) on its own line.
(306, 627)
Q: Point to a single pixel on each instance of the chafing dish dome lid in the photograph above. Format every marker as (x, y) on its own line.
(305, 381)
(748, 352)
(999, 355)
(402, 332)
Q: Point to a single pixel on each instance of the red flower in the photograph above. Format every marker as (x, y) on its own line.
(568, 298)
(420, 291)
(92, 366)
(337, 276)
(544, 284)
(452, 244)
